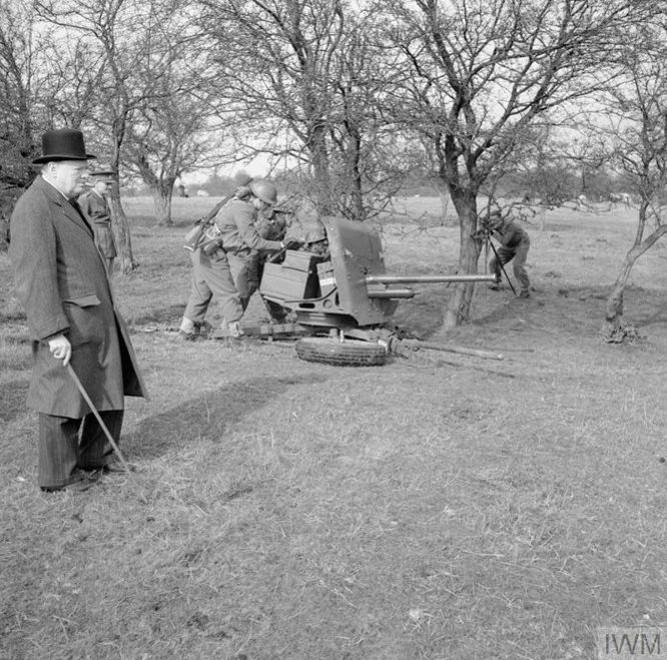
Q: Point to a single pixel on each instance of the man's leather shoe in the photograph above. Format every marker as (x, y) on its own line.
(115, 465)
(79, 485)
(112, 467)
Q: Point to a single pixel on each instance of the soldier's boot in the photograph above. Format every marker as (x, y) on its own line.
(232, 329)
(235, 329)
(204, 330)
(188, 330)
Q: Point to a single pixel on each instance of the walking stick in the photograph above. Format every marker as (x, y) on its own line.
(104, 428)
(502, 267)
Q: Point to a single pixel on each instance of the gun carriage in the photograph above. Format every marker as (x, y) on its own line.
(342, 301)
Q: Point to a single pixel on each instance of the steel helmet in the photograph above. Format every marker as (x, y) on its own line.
(315, 232)
(242, 178)
(264, 190)
(496, 220)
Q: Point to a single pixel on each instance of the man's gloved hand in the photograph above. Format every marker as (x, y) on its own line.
(292, 244)
(60, 348)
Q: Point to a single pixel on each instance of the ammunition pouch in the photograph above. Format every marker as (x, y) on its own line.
(209, 248)
(204, 236)
(193, 238)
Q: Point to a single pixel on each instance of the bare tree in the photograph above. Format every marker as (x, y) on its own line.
(302, 79)
(636, 110)
(16, 102)
(44, 81)
(589, 153)
(478, 73)
(108, 27)
(174, 130)
(129, 59)
(276, 58)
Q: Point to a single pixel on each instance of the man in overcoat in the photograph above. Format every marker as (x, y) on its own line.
(96, 208)
(62, 282)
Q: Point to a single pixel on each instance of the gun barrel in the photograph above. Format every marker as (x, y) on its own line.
(384, 292)
(426, 279)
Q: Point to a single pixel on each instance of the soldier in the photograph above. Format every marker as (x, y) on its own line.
(94, 204)
(271, 224)
(220, 265)
(315, 239)
(514, 245)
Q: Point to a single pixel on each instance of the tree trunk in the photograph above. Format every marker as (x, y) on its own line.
(443, 193)
(162, 204)
(320, 163)
(121, 231)
(356, 184)
(458, 306)
(4, 233)
(612, 328)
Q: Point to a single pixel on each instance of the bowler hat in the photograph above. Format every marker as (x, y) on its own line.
(63, 144)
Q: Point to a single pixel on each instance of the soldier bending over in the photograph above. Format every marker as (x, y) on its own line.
(220, 264)
(514, 245)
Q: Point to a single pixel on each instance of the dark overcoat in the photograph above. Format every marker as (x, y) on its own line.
(62, 282)
(96, 210)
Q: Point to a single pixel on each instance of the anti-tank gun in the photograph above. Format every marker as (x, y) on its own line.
(338, 292)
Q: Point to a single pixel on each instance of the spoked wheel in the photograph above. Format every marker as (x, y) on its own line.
(352, 353)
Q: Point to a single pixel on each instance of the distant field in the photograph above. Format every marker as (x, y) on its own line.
(188, 209)
(440, 507)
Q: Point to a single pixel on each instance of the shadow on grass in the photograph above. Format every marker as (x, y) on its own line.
(658, 317)
(12, 396)
(209, 415)
(422, 315)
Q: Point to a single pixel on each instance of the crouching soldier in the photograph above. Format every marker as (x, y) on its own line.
(247, 269)
(514, 245)
(315, 240)
(223, 255)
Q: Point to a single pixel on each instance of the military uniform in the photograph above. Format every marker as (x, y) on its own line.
(227, 270)
(96, 210)
(247, 270)
(514, 245)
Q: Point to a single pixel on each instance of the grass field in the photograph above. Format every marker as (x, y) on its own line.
(441, 507)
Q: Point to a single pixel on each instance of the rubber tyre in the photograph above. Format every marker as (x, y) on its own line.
(350, 353)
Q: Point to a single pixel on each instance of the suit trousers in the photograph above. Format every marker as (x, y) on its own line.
(65, 445)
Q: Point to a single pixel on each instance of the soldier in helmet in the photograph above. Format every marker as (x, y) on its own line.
(219, 265)
(315, 239)
(514, 245)
(271, 224)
